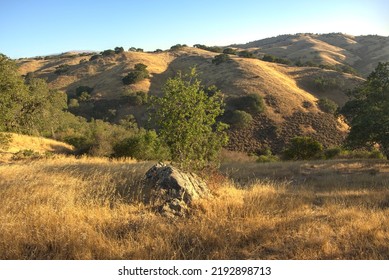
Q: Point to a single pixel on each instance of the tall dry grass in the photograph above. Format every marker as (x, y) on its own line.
(80, 209)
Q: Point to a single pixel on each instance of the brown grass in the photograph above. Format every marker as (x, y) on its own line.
(65, 208)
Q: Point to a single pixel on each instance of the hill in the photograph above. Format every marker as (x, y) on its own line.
(290, 93)
(39, 145)
(359, 52)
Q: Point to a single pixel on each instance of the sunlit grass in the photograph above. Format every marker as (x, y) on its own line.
(91, 208)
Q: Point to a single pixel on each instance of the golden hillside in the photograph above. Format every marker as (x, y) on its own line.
(39, 145)
(290, 93)
(360, 52)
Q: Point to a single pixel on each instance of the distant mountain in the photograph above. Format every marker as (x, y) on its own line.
(290, 93)
(359, 52)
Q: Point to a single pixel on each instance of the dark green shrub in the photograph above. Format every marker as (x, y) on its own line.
(138, 74)
(119, 50)
(303, 148)
(177, 47)
(73, 103)
(107, 52)
(240, 119)
(62, 69)
(143, 146)
(246, 54)
(81, 89)
(135, 98)
(229, 51)
(327, 105)
(332, 152)
(251, 103)
(94, 57)
(220, 58)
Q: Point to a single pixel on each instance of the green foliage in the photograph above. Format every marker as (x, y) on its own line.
(138, 74)
(143, 146)
(303, 148)
(251, 103)
(81, 89)
(210, 49)
(220, 58)
(119, 50)
(62, 69)
(177, 47)
(327, 105)
(135, 98)
(272, 58)
(94, 57)
(107, 52)
(26, 154)
(240, 119)
(186, 118)
(368, 112)
(246, 54)
(324, 84)
(229, 51)
(267, 158)
(332, 152)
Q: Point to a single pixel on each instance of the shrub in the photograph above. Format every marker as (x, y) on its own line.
(332, 152)
(138, 74)
(143, 146)
(119, 50)
(246, 54)
(252, 103)
(135, 98)
(177, 47)
(327, 105)
(229, 51)
(267, 158)
(61, 69)
(26, 154)
(240, 119)
(220, 59)
(303, 148)
(107, 52)
(93, 57)
(81, 89)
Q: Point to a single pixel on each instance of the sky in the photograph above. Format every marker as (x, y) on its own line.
(42, 27)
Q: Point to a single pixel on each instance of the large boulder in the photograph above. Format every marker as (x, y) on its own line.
(172, 190)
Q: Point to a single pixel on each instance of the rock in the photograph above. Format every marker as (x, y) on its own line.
(172, 190)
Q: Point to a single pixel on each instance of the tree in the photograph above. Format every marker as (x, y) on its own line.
(138, 74)
(186, 119)
(220, 58)
(303, 148)
(368, 111)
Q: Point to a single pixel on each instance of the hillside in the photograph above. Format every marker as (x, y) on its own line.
(360, 52)
(290, 93)
(19, 143)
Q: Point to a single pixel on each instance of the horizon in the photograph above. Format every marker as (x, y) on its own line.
(39, 28)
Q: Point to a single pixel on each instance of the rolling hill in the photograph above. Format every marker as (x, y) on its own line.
(359, 52)
(290, 93)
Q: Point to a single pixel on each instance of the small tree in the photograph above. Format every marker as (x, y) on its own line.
(186, 118)
(327, 105)
(138, 74)
(241, 119)
(303, 148)
(220, 58)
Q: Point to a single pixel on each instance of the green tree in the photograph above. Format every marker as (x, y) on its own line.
(138, 74)
(220, 58)
(186, 119)
(303, 148)
(13, 94)
(368, 111)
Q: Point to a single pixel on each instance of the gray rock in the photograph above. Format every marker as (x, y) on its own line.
(172, 190)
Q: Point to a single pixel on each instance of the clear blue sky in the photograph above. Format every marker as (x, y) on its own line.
(39, 27)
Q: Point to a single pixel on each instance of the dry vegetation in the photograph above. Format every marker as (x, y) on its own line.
(90, 208)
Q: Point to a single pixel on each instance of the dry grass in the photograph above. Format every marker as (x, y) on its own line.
(65, 208)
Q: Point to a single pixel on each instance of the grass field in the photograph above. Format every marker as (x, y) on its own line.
(90, 208)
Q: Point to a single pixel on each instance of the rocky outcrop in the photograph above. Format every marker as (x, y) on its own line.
(172, 191)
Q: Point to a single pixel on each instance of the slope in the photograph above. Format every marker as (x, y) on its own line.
(290, 93)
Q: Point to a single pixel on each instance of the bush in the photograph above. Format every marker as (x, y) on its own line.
(107, 52)
(177, 47)
(73, 103)
(81, 89)
(267, 158)
(303, 148)
(229, 51)
(251, 103)
(327, 105)
(135, 98)
(138, 74)
(93, 57)
(119, 50)
(143, 146)
(61, 69)
(246, 54)
(240, 119)
(332, 152)
(26, 154)
(220, 59)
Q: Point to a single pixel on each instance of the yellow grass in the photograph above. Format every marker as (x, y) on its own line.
(66, 208)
